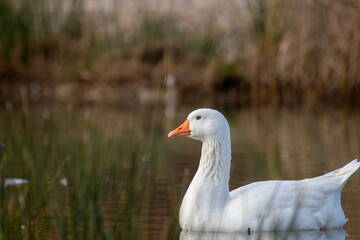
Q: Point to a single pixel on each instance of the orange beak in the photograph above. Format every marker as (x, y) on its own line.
(182, 130)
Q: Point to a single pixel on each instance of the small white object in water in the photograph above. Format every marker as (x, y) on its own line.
(64, 182)
(14, 181)
(22, 227)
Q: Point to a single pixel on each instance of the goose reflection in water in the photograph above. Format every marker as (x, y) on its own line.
(330, 234)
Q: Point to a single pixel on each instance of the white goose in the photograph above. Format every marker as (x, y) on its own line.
(208, 205)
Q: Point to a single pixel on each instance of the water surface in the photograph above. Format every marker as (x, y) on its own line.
(96, 172)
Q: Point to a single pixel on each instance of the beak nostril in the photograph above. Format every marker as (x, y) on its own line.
(182, 130)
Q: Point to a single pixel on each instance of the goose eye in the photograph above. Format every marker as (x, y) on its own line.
(198, 117)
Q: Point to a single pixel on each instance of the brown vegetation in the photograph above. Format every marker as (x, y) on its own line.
(277, 52)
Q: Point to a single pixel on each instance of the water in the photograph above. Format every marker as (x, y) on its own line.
(96, 172)
(333, 234)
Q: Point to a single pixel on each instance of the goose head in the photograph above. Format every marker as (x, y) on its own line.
(201, 124)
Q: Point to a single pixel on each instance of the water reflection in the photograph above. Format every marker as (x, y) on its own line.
(332, 234)
(265, 145)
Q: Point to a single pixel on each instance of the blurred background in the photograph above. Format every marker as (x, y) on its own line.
(225, 53)
(89, 90)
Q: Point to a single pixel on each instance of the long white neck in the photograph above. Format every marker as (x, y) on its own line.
(209, 189)
(216, 159)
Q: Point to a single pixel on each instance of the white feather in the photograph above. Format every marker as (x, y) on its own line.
(262, 206)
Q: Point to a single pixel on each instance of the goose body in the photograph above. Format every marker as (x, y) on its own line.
(208, 205)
